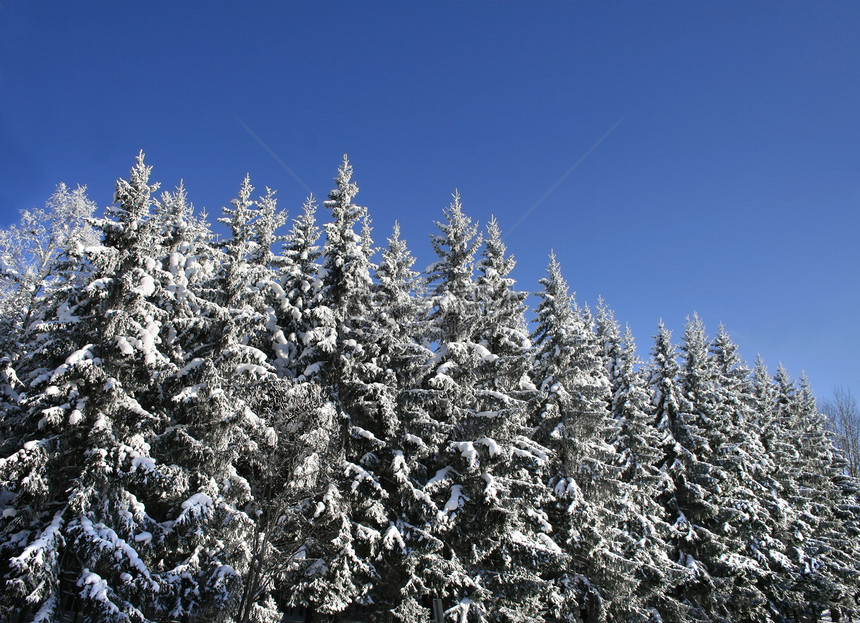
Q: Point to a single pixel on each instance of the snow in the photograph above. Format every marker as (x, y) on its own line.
(540, 542)
(105, 538)
(490, 489)
(530, 450)
(457, 499)
(47, 613)
(441, 475)
(100, 284)
(498, 396)
(244, 350)
(357, 431)
(413, 439)
(250, 368)
(146, 287)
(51, 416)
(361, 475)
(96, 589)
(79, 357)
(492, 446)
(46, 544)
(312, 370)
(188, 394)
(392, 538)
(740, 564)
(196, 501)
(484, 354)
(461, 610)
(541, 518)
(443, 382)
(124, 347)
(143, 463)
(467, 451)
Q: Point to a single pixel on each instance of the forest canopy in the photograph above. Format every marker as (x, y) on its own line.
(288, 421)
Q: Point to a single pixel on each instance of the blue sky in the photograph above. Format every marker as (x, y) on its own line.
(731, 186)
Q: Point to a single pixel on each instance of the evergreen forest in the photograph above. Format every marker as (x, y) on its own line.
(289, 422)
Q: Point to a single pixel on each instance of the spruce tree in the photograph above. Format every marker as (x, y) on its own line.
(501, 327)
(34, 259)
(385, 434)
(483, 465)
(719, 519)
(749, 493)
(825, 528)
(193, 430)
(300, 282)
(437, 403)
(342, 351)
(639, 453)
(92, 415)
(573, 418)
(779, 587)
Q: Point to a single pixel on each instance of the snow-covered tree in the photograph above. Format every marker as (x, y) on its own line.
(502, 327)
(36, 255)
(719, 471)
(480, 465)
(639, 452)
(90, 419)
(202, 430)
(339, 352)
(300, 282)
(823, 534)
(572, 416)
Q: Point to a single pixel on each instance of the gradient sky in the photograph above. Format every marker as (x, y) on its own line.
(729, 186)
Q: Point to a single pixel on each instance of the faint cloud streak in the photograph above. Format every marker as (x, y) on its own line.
(274, 155)
(566, 175)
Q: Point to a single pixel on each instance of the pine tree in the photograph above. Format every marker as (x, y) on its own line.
(718, 518)
(779, 587)
(269, 220)
(453, 296)
(301, 285)
(695, 507)
(481, 463)
(750, 493)
(515, 535)
(382, 437)
(91, 419)
(502, 326)
(346, 277)
(193, 430)
(638, 448)
(824, 529)
(343, 353)
(573, 418)
(667, 402)
(214, 433)
(33, 257)
(191, 260)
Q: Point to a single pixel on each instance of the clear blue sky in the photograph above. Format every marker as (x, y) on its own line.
(731, 186)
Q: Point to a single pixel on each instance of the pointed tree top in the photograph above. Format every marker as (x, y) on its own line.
(344, 172)
(133, 197)
(345, 189)
(555, 276)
